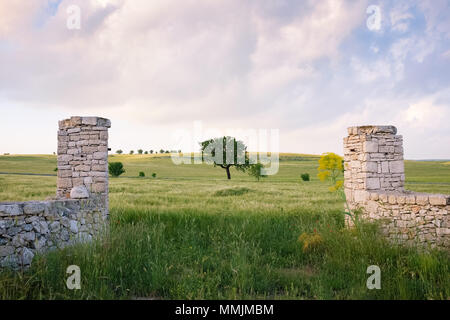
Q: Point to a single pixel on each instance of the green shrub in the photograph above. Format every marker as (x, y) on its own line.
(154, 175)
(305, 176)
(255, 171)
(116, 169)
(141, 174)
(56, 169)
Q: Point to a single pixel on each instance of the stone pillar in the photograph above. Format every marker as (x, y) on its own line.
(373, 160)
(83, 159)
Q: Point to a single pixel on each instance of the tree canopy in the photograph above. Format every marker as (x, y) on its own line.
(225, 152)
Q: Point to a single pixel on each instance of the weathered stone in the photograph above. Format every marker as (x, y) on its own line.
(370, 146)
(10, 209)
(74, 226)
(55, 226)
(405, 216)
(370, 167)
(34, 208)
(396, 167)
(373, 183)
(89, 121)
(79, 192)
(64, 183)
(100, 155)
(422, 199)
(29, 236)
(102, 122)
(73, 130)
(438, 199)
(6, 251)
(98, 187)
(83, 168)
(25, 226)
(43, 227)
(27, 256)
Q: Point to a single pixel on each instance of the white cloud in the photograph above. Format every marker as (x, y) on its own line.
(155, 65)
(400, 18)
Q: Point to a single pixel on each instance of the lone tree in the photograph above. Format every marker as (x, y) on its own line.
(151, 151)
(119, 151)
(225, 152)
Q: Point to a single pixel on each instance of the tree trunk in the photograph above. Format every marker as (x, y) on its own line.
(228, 172)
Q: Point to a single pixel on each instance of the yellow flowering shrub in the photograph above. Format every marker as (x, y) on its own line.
(310, 242)
(330, 167)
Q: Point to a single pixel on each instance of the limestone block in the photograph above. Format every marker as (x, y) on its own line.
(392, 199)
(73, 130)
(34, 208)
(360, 196)
(396, 167)
(76, 182)
(422, 199)
(410, 199)
(374, 196)
(79, 192)
(369, 166)
(99, 187)
(100, 155)
(83, 168)
(89, 121)
(373, 183)
(102, 122)
(386, 149)
(74, 151)
(438, 199)
(10, 209)
(6, 251)
(401, 199)
(64, 173)
(89, 149)
(370, 146)
(64, 183)
(63, 139)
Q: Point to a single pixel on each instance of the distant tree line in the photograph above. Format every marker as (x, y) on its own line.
(141, 151)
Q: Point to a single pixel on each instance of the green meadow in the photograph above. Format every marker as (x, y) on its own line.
(189, 233)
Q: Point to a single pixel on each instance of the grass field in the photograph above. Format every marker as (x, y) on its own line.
(190, 233)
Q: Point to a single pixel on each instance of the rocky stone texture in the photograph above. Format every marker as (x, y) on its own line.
(82, 155)
(51, 224)
(374, 184)
(81, 208)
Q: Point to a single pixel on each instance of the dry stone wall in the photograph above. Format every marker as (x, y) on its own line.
(79, 210)
(374, 184)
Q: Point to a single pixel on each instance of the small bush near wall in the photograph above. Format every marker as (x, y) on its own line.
(141, 174)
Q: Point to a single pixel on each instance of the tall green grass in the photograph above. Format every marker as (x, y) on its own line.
(199, 236)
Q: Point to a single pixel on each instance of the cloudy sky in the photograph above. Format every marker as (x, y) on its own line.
(307, 68)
